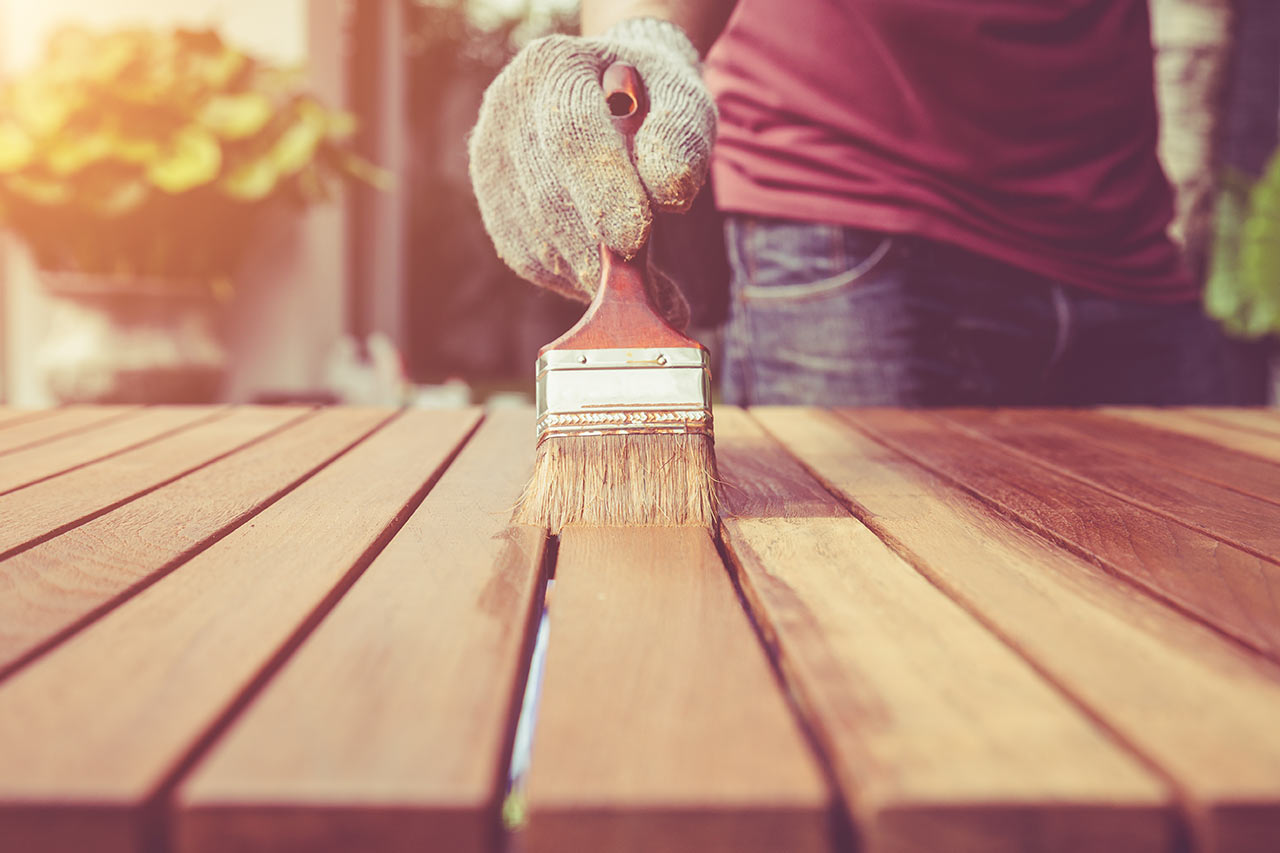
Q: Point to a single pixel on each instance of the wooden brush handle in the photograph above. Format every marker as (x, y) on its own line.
(626, 98)
(622, 315)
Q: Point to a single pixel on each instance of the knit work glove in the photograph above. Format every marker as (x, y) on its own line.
(552, 175)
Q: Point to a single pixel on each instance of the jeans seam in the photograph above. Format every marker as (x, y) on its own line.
(823, 287)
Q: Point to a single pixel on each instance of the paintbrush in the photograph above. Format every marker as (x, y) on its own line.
(623, 398)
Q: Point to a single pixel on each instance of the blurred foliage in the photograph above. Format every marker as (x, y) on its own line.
(140, 152)
(1243, 290)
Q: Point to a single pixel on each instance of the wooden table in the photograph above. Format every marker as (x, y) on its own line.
(253, 629)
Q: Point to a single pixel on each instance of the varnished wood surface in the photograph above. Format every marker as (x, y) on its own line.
(661, 725)
(1222, 584)
(21, 429)
(291, 629)
(55, 584)
(1190, 704)
(877, 653)
(1257, 445)
(404, 694)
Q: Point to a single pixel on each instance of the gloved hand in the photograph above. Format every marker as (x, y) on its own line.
(551, 173)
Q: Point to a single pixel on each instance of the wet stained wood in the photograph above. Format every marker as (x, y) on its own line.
(1181, 422)
(1161, 448)
(1198, 708)
(941, 737)
(1260, 421)
(1227, 587)
(1222, 513)
(257, 629)
(57, 585)
(389, 729)
(95, 732)
(661, 725)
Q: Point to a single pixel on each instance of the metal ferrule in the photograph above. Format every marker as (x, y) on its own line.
(623, 391)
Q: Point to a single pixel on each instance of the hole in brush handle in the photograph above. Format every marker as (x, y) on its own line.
(621, 104)
(625, 95)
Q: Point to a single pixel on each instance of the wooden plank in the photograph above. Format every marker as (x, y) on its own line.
(71, 450)
(764, 483)
(1195, 705)
(1260, 421)
(58, 503)
(1225, 586)
(59, 423)
(10, 417)
(940, 736)
(1222, 513)
(1176, 420)
(59, 585)
(96, 732)
(1168, 450)
(389, 729)
(661, 725)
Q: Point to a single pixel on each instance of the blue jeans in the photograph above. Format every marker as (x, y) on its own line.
(831, 315)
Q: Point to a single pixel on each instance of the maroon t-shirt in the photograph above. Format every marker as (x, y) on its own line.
(1024, 130)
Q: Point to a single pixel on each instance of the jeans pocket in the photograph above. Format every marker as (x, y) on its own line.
(800, 262)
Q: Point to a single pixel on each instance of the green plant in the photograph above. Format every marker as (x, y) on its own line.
(1243, 290)
(140, 152)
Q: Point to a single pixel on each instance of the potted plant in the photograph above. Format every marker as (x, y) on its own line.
(138, 166)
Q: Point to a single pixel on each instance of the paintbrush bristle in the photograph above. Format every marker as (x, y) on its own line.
(628, 479)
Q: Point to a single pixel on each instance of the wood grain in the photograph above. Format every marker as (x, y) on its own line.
(60, 502)
(941, 737)
(59, 423)
(1227, 587)
(661, 725)
(1187, 700)
(59, 584)
(764, 482)
(1261, 421)
(50, 458)
(388, 729)
(1166, 450)
(1222, 513)
(10, 417)
(94, 733)
(1177, 420)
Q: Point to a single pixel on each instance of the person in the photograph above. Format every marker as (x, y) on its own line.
(924, 203)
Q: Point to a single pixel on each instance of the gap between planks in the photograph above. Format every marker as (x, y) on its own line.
(1225, 587)
(391, 727)
(104, 440)
(85, 768)
(1260, 445)
(58, 423)
(1195, 457)
(1223, 514)
(59, 586)
(661, 724)
(1198, 709)
(1258, 421)
(940, 736)
(43, 510)
(14, 417)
